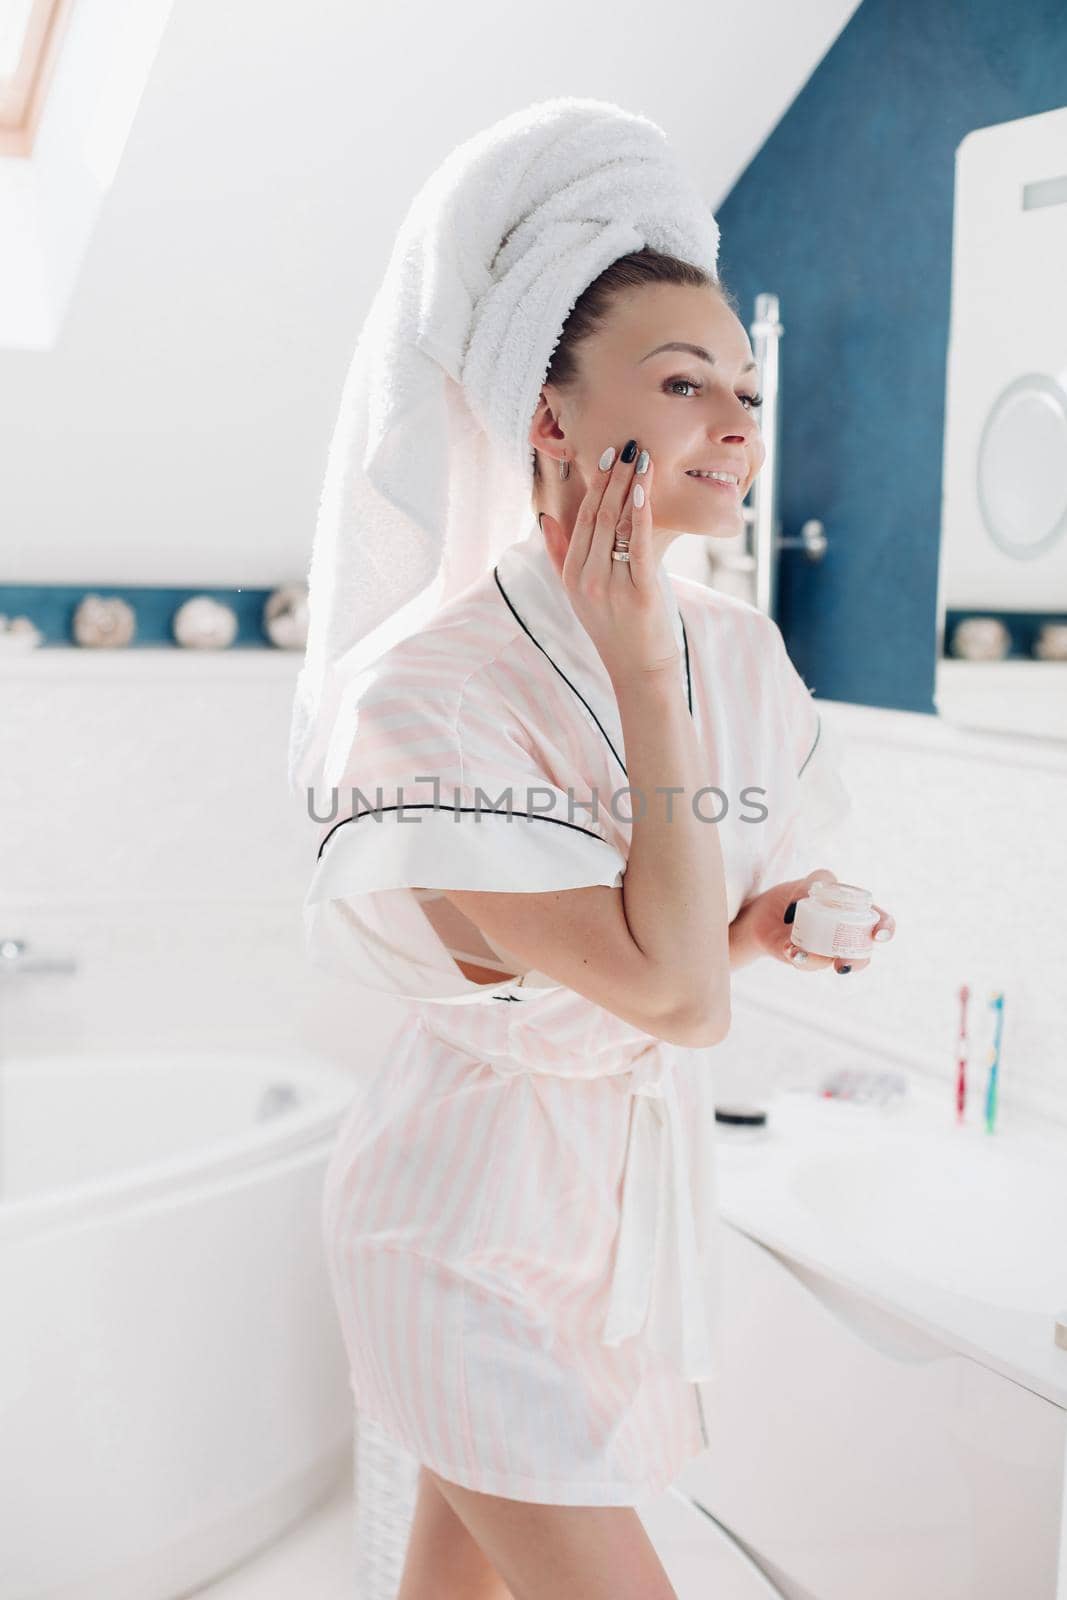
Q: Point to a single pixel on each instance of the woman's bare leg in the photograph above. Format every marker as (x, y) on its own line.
(545, 1552)
(443, 1561)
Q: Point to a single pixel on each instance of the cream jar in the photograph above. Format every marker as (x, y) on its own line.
(834, 919)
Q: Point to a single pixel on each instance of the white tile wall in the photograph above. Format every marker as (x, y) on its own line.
(146, 827)
(961, 835)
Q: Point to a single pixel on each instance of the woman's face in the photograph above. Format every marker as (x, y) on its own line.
(685, 412)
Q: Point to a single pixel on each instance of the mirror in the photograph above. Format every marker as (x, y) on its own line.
(1002, 574)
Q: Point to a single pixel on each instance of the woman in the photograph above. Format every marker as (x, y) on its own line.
(578, 802)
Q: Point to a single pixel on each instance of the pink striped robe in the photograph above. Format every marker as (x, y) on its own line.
(520, 1209)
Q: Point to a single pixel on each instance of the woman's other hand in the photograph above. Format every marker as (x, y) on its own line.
(769, 915)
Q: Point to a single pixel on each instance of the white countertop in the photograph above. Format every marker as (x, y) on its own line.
(957, 1231)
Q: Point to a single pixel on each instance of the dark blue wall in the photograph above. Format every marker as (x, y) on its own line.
(846, 214)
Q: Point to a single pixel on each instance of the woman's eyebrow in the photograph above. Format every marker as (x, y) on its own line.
(693, 349)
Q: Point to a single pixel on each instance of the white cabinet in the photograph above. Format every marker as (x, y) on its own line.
(861, 1457)
(702, 1562)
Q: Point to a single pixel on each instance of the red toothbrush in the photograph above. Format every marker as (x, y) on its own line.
(961, 1064)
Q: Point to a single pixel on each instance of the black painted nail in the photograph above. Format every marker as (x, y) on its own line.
(846, 968)
(630, 451)
(790, 911)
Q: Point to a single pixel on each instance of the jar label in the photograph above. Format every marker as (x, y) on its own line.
(851, 941)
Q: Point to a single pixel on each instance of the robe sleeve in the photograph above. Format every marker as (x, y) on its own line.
(814, 802)
(442, 789)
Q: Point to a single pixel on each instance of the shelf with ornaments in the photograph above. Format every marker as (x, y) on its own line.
(63, 631)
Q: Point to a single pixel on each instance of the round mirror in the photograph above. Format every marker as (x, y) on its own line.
(1022, 466)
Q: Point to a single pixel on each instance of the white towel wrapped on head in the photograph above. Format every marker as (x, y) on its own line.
(429, 474)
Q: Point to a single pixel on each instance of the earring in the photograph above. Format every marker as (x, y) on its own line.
(564, 468)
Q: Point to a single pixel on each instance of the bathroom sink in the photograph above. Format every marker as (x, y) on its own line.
(974, 1214)
(897, 1212)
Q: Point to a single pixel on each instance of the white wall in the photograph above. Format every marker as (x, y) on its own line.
(959, 834)
(146, 828)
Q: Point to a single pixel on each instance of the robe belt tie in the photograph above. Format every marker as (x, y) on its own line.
(657, 1282)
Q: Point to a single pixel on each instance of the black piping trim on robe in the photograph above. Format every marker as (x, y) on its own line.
(484, 811)
(570, 685)
(811, 752)
(533, 816)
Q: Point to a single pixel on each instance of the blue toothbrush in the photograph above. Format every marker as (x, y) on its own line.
(997, 1004)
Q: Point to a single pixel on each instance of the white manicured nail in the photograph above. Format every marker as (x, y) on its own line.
(607, 458)
(639, 495)
(884, 933)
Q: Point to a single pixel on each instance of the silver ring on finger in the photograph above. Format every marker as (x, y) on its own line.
(620, 555)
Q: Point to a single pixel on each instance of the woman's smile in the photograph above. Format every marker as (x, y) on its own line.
(732, 489)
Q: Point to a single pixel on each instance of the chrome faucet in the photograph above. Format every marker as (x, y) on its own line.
(16, 963)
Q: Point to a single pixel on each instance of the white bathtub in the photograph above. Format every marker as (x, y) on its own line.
(173, 1386)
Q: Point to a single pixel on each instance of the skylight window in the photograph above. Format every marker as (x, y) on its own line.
(14, 15)
(29, 40)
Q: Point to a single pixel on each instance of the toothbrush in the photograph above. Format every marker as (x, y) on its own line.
(997, 1004)
(961, 1063)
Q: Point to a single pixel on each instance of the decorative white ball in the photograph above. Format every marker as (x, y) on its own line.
(1051, 642)
(103, 623)
(285, 616)
(202, 623)
(18, 633)
(981, 639)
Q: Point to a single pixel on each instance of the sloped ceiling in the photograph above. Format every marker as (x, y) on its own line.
(177, 432)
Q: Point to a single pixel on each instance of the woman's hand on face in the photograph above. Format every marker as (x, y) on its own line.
(772, 912)
(618, 603)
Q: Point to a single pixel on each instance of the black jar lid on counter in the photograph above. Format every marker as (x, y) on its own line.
(741, 1116)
